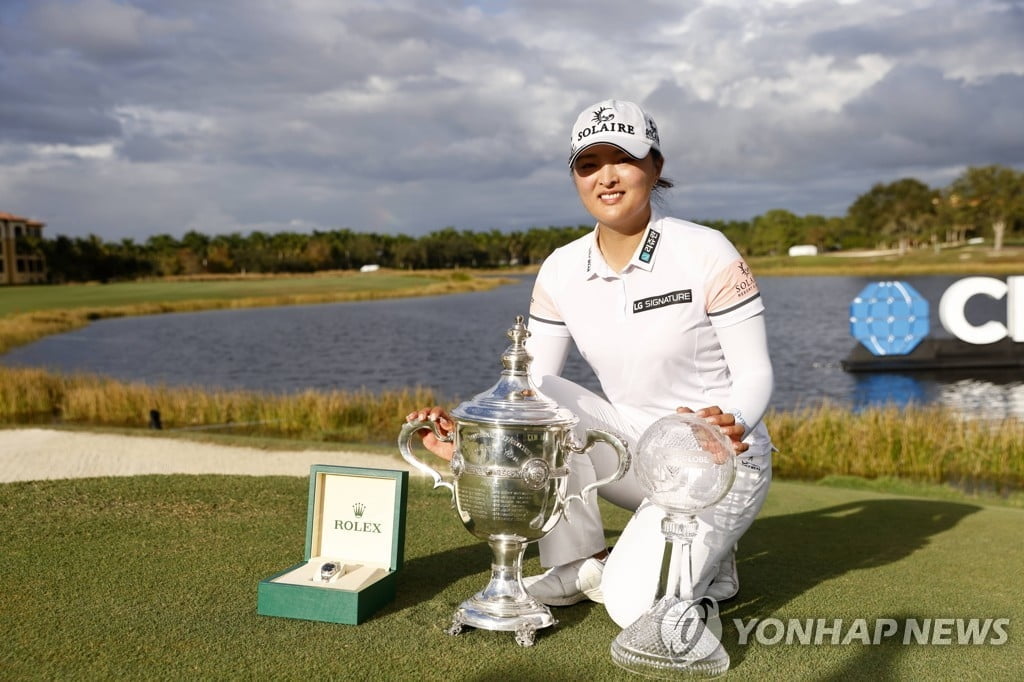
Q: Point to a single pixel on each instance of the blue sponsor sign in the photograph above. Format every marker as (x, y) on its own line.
(889, 318)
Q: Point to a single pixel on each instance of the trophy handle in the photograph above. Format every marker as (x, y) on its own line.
(595, 436)
(406, 435)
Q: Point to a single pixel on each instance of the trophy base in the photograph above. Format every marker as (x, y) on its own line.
(504, 605)
(668, 668)
(523, 617)
(670, 642)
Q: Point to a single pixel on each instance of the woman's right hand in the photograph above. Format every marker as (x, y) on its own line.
(445, 426)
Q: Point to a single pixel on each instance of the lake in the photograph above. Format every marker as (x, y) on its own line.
(453, 344)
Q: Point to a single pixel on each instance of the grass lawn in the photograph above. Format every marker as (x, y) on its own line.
(71, 296)
(961, 260)
(20, 299)
(155, 577)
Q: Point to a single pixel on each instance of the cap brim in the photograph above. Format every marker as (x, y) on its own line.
(638, 149)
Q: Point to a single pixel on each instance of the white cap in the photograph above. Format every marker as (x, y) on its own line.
(622, 124)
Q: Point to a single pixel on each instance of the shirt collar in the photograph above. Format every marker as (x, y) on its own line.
(594, 264)
(647, 252)
(643, 259)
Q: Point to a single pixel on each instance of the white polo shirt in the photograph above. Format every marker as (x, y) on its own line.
(648, 331)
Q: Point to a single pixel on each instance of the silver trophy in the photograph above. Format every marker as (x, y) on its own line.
(685, 465)
(513, 448)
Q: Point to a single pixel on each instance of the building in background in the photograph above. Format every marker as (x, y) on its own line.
(803, 250)
(20, 263)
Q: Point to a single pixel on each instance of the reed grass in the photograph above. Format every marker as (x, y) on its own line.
(34, 396)
(925, 444)
(928, 444)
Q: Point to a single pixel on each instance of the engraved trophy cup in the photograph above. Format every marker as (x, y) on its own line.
(685, 465)
(513, 448)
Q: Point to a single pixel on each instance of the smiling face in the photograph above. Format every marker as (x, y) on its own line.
(615, 188)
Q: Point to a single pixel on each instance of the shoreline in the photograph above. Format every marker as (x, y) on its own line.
(41, 454)
(23, 327)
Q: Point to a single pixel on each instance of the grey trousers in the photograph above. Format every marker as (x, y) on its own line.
(631, 574)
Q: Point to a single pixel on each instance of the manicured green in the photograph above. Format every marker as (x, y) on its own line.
(71, 296)
(952, 261)
(155, 577)
(958, 261)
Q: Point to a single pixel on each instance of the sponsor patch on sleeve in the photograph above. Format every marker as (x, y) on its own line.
(543, 308)
(731, 288)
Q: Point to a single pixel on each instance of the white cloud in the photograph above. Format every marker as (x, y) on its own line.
(132, 118)
(81, 151)
(102, 28)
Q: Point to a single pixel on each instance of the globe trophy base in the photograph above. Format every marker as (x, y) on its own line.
(504, 605)
(670, 642)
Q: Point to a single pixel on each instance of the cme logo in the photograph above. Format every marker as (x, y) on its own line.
(892, 318)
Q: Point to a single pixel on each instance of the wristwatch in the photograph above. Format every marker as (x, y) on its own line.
(329, 571)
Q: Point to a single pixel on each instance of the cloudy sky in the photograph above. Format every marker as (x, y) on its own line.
(130, 118)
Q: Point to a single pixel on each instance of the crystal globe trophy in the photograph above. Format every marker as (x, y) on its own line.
(685, 465)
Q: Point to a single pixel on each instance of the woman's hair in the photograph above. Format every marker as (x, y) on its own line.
(662, 184)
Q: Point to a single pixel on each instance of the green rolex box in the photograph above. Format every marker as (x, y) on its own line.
(355, 521)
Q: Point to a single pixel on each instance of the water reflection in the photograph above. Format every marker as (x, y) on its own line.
(452, 344)
(983, 393)
(878, 390)
(988, 399)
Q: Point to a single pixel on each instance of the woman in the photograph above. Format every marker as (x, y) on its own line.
(669, 317)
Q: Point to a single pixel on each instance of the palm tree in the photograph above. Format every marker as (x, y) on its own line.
(992, 195)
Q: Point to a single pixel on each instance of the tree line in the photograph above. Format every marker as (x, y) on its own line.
(984, 201)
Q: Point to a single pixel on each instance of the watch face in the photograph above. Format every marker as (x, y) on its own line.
(328, 570)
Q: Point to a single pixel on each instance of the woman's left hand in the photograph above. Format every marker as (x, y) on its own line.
(725, 421)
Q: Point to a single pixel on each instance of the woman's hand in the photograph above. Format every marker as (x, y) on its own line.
(724, 421)
(445, 427)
